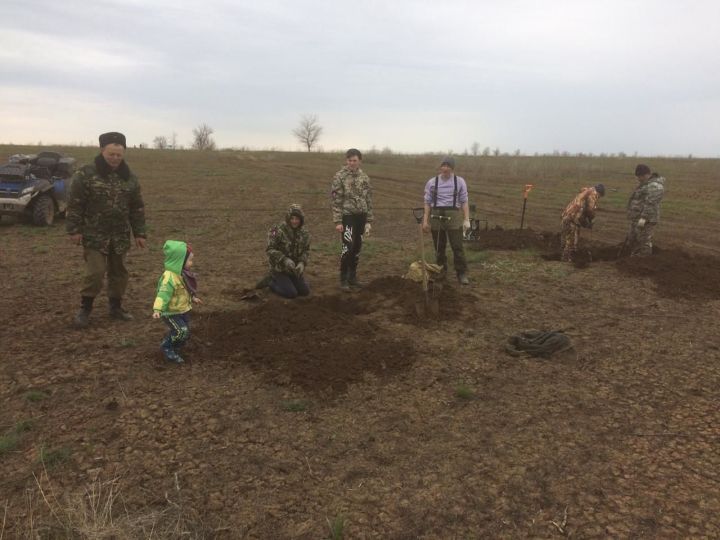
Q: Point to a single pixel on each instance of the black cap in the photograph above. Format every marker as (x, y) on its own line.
(112, 137)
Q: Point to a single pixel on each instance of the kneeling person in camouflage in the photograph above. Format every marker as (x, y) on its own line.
(104, 207)
(288, 249)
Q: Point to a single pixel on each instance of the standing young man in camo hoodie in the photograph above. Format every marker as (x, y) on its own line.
(644, 210)
(352, 213)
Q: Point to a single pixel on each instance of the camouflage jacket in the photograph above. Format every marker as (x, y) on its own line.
(645, 200)
(105, 206)
(285, 242)
(351, 194)
(582, 208)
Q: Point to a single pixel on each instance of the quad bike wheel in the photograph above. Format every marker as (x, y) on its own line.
(43, 212)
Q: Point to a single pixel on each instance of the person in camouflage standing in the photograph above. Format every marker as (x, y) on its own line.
(352, 213)
(288, 248)
(579, 214)
(643, 210)
(104, 207)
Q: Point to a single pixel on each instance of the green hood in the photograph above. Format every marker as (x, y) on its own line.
(175, 252)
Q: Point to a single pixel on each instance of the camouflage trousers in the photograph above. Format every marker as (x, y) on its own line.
(569, 237)
(97, 264)
(640, 239)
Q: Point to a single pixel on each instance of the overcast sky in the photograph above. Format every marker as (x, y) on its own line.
(579, 76)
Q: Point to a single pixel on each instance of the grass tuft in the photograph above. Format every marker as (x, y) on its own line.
(463, 391)
(8, 443)
(23, 426)
(127, 343)
(337, 527)
(296, 405)
(34, 396)
(52, 457)
(10, 440)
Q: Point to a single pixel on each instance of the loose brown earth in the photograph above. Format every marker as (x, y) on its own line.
(293, 416)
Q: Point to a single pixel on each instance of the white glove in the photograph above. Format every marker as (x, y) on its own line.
(641, 222)
(466, 225)
(367, 229)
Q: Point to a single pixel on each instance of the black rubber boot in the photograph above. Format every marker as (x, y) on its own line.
(82, 319)
(117, 312)
(344, 284)
(353, 280)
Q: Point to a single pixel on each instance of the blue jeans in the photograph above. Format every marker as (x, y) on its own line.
(289, 285)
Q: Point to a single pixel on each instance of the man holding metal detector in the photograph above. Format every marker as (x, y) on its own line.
(447, 216)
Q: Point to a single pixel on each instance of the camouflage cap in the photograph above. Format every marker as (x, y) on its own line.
(112, 137)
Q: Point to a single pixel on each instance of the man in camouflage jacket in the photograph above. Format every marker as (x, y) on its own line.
(352, 214)
(643, 210)
(104, 207)
(579, 214)
(288, 248)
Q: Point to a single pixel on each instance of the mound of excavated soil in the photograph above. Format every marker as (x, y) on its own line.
(587, 253)
(499, 238)
(318, 343)
(302, 343)
(677, 274)
(321, 344)
(399, 297)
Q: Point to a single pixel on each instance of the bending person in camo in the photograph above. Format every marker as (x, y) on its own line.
(288, 249)
(579, 214)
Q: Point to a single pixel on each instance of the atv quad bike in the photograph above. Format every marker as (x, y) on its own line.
(35, 186)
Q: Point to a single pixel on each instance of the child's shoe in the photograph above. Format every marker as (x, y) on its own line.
(174, 357)
(170, 353)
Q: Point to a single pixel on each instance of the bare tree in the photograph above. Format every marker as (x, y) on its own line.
(160, 142)
(202, 138)
(475, 148)
(309, 131)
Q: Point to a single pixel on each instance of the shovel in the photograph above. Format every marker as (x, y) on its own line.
(431, 303)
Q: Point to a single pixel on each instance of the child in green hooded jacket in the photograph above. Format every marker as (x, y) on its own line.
(176, 292)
